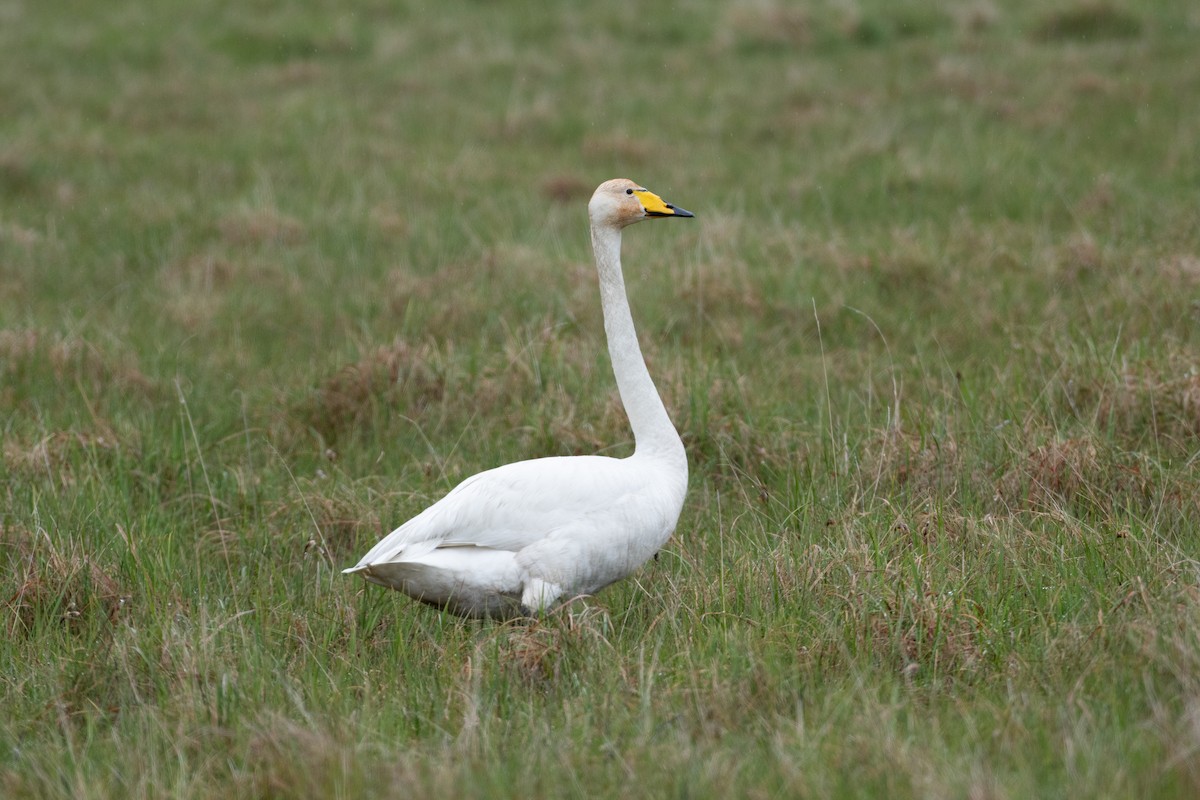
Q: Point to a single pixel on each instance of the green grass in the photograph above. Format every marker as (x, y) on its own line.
(274, 277)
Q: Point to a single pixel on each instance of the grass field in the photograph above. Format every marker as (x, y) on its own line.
(273, 277)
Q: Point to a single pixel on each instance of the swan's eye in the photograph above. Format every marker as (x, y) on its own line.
(629, 191)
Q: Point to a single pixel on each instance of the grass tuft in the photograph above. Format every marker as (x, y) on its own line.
(1088, 21)
(52, 586)
(359, 393)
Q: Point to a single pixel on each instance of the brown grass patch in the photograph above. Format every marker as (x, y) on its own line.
(722, 293)
(538, 652)
(70, 587)
(18, 173)
(260, 226)
(461, 295)
(927, 631)
(532, 652)
(761, 23)
(1091, 83)
(1142, 403)
(1101, 197)
(1082, 471)
(341, 522)
(19, 235)
(574, 433)
(194, 288)
(406, 288)
(18, 345)
(908, 266)
(924, 466)
(1079, 257)
(976, 17)
(53, 455)
(626, 149)
(296, 73)
(908, 613)
(1056, 472)
(389, 221)
(75, 357)
(1181, 268)
(221, 540)
(538, 384)
(285, 758)
(566, 188)
(720, 433)
(929, 525)
(70, 360)
(1089, 21)
(200, 272)
(412, 374)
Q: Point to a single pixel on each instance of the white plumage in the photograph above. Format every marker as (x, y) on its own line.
(519, 538)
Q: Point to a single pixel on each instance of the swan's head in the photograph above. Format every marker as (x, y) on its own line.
(622, 202)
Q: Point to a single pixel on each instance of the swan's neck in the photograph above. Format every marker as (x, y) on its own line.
(653, 433)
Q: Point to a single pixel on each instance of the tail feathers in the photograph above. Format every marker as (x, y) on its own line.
(380, 556)
(472, 581)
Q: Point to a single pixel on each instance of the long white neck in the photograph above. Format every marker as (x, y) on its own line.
(653, 434)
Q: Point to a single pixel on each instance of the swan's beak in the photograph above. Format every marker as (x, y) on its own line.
(655, 207)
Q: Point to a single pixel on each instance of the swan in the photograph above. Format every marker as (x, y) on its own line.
(518, 539)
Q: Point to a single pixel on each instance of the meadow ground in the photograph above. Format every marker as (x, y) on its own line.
(275, 276)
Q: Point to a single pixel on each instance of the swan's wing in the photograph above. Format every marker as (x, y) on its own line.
(510, 507)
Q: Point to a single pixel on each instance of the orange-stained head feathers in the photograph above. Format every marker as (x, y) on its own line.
(622, 202)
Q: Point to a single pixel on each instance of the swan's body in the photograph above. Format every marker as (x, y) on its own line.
(519, 538)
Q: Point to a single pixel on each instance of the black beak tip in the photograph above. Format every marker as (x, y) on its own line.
(680, 212)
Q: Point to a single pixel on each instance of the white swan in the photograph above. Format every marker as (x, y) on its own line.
(519, 538)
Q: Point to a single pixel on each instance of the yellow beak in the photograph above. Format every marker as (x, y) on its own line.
(655, 207)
